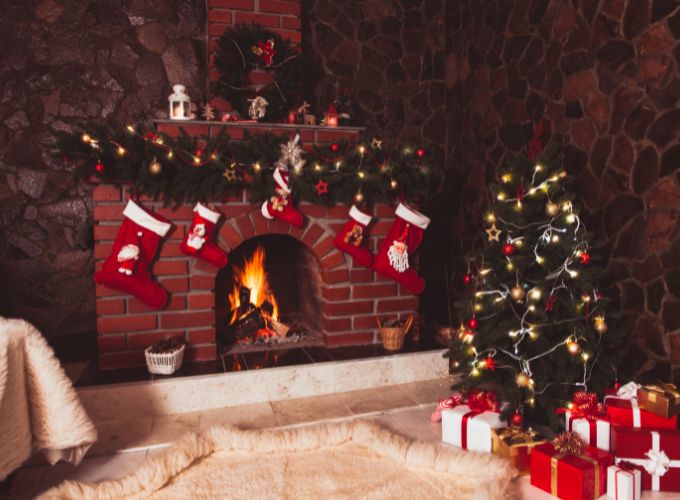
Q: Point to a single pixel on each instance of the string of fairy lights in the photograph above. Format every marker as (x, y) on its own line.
(323, 165)
(563, 219)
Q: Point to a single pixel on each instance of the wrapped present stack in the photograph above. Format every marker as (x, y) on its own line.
(473, 422)
(637, 426)
(621, 446)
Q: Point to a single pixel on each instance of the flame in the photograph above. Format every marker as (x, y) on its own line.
(253, 277)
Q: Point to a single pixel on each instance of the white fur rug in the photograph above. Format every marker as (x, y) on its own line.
(339, 460)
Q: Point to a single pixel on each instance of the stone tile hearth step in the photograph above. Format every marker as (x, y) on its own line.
(219, 390)
(153, 432)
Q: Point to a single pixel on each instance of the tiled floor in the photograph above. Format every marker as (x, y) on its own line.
(125, 445)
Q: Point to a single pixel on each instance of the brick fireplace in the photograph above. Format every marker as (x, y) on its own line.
(351, 299)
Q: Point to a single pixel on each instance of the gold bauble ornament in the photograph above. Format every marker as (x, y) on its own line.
(600, 326)
(552, 209)
(517, 293)
(522, 380)
(155, 167)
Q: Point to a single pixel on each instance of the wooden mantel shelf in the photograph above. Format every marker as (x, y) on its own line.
(317, 134)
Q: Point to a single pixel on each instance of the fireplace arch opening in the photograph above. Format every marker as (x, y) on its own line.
(269, 295)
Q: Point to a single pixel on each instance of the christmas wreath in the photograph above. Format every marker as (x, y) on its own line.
(245, 48)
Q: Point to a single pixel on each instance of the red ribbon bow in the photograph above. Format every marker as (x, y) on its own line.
(265, 51)
(481, 401)
(444, 404)
(627, 466)
(584, 405)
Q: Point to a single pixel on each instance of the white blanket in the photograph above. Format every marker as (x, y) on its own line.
(39, 409)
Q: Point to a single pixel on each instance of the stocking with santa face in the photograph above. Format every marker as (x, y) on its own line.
(127, 268)
(198, 240)
(401, 242)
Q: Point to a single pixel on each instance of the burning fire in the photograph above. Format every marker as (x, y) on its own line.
(253, 277)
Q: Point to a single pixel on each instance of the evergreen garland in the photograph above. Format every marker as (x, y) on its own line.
(236, 57)
(188, 169)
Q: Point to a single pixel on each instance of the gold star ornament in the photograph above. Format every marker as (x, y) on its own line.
(493, 233)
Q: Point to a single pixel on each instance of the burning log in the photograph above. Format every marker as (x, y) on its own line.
(281, 329)
(247, 325)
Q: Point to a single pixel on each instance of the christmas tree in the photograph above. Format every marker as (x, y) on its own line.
(534, 323)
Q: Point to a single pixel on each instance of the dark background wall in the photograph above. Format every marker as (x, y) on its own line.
(465, 77)
(61, 62)
(604, 75)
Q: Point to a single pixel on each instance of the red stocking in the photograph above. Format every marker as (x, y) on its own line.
(351, 236)
(127, 268)
(279, 205)
(403, 240)
(198, 240)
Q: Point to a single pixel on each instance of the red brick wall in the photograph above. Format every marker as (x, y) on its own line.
(280, 16)
(352, 298)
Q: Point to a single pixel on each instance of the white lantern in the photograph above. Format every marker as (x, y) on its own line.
(180, 104)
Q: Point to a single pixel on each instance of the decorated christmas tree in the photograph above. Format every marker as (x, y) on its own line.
(534, 322)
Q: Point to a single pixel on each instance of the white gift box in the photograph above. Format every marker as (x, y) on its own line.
(469, 430)
(623, 484)
(582, 427)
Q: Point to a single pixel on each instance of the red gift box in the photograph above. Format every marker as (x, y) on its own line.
(657, 451)
(627, 413)
(569, 476)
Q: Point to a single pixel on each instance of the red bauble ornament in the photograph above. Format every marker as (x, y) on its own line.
(420, 152)
(584, 258)
(467, 279)
(335, 147)
(199, 152)
(516, 419)
(508, 249)
(99, 167)
(473, 323)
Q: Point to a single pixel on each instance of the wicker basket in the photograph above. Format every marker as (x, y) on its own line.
(164, 363)
(392, 337)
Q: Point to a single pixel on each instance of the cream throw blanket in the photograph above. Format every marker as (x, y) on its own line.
(335, 461)
(39, 409)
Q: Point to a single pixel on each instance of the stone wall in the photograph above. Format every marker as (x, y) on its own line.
(390, 53)
(65, 61)
(604, 74)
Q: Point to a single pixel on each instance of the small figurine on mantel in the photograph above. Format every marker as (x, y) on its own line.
(208, 112)
(181, 107)
(258, 108)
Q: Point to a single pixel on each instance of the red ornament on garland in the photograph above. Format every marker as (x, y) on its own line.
(335, 147)
(490, 363)
(99, 167)
(199, 152)
(516, 419)
(473, 323)
(420, 152)
(508, 249)
(584, 258)
(467, 278)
